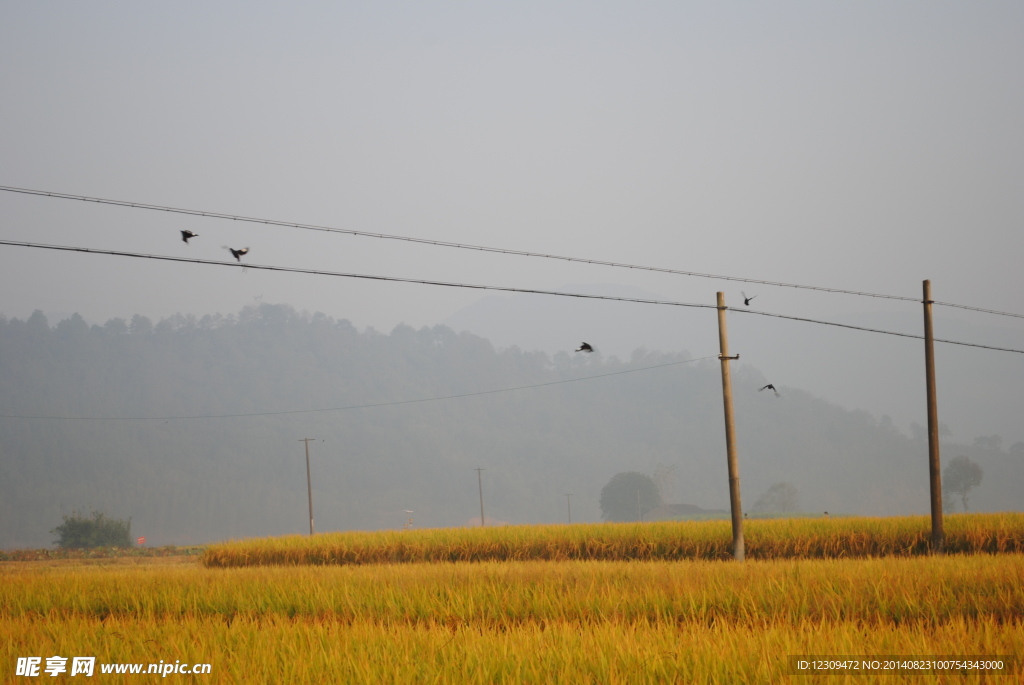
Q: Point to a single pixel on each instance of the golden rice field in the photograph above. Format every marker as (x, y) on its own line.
(801, 538)
(529, 621)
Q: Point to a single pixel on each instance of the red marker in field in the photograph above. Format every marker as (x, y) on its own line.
(141, 540)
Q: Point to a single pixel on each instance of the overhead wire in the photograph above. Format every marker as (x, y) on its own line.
(418, 281)
(354, 406)
(871, 330)
(483, 248)
(317, 272)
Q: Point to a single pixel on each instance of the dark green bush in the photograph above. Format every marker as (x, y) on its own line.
(80, 532)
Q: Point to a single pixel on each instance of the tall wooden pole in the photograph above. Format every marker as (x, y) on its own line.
(309, 484)
(480, 482)
(730, 434)
(934, 471)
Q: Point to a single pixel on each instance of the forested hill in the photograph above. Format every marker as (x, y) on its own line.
(261, 380)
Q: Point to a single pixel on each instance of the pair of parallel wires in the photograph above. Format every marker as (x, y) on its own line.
(479, 248)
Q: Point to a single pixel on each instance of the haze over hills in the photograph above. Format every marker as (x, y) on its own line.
(847, 147)
(191, 427)
(881, 374)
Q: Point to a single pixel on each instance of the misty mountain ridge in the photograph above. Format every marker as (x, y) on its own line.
(881, 374)
(256, 382)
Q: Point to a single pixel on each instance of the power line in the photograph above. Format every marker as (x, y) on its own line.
(354, 406)
(873, 330)
(315, 272)
(482, 248)
(288, 269)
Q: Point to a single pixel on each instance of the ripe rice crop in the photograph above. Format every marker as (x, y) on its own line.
(533, 621)
(847, 537)
(927, 590)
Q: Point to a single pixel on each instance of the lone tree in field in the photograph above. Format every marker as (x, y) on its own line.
(780, 498)
(960, 477)
(79, 532)
(627, 496)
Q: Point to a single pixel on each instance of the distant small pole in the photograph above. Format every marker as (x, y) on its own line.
(730, 434)
(934, 472)
(309, 484)
(568, 503)
(480, 482)
(639, 516)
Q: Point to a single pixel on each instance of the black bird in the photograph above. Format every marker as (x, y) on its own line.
(237, 254)
(185, 235)
(772, 388)
(746, 300)
(584, 347)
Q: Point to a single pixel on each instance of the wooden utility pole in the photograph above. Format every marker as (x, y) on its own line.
(934, 470)
(568, 504)
(309, 484)
(480, 482)
(730, 434)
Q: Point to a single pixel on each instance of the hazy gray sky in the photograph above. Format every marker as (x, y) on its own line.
(854, 145)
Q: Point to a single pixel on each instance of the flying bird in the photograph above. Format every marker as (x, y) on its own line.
(185, 235)
(237, 254)
(746, 300)
(772, 388)
(584, 347)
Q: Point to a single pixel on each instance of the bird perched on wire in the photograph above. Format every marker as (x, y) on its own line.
(746, 300)
(584, 347)
(238, 254)
(185, 235)
(772, 388)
